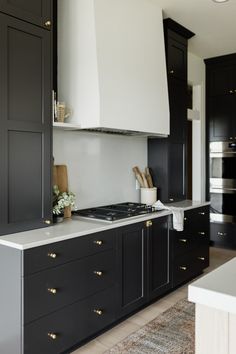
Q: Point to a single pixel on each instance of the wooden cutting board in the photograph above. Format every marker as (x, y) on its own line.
(60, 178)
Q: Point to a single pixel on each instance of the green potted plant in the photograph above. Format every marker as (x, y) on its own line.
(61, 200)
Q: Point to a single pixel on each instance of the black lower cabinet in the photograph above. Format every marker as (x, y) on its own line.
(65, 328)
(159, 258)
(223, 235)
(190, 248)
(132, 256)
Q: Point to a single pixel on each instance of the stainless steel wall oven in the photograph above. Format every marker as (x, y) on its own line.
(223, 181)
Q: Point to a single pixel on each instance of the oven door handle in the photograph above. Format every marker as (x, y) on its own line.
(223, 190)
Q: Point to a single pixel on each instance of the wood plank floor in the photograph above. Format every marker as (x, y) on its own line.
(110, 338)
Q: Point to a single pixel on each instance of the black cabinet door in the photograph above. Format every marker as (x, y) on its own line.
(222, 79)
(178, 109)
(176, 56)
(25, 125)
(158, 252)
(221, 113)
(37, 12)
(132, 256)
(177, 171)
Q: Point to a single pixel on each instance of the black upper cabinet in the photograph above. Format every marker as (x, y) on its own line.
(221, 98)
(133, 267)
(25, 125)
(158, 251)
(38, 12)
(176, 56)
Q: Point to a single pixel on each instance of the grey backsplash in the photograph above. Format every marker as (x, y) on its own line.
(100, 166)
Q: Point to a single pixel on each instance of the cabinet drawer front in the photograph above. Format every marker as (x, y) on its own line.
(196, 219)
(55, 254)
(52, 289)
(183, 242)
(223, 235)
(63, 329)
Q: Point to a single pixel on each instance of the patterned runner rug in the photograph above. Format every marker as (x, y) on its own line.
(171, 332)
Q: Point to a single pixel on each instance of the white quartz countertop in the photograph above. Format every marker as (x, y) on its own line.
(216, 289)
(80, 227)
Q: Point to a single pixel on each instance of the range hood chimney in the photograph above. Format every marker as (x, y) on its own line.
(112, 68)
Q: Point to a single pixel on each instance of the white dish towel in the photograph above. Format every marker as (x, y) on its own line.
(178, 215)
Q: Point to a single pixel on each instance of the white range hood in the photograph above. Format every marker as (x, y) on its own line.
(111, 65)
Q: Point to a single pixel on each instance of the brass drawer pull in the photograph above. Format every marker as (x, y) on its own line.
(53, 336)
(222, 233)
(98, 312)
(47, 222)
(183, 240)
(52, 255)
(201, 258)
(172, 71)
(98, 273)
(185, 219)
(183, 268)
(201, 233)
(52, 291)
(201, 213)
(98, 242)
(149, 223)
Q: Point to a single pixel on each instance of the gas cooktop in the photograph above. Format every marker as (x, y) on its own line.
(115, 211)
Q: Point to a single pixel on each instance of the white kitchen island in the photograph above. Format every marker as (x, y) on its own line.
(215, 299)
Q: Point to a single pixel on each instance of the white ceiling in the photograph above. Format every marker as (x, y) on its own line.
(214, 24)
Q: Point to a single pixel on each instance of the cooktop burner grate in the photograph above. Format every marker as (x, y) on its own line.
(115, 212)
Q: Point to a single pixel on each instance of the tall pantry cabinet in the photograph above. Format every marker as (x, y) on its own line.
(25, 114)
(167, 157)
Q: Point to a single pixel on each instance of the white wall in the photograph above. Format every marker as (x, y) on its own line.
(196, 76)
(100, 166)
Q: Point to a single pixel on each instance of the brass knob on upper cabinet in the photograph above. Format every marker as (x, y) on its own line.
(98, 242)
(98, 273)
(52, 336)
(98, 312)
(148, 223)
(172, 71)
(185, 219)
(47, 222)
(52, 255)
(48, 23)
(52, 291)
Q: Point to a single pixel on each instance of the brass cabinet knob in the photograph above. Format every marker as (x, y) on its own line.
(201, 233)
(185, 219)
(52, 255)
(183, 268)
(183, 240)
(48, 23)
(98, 242)
(98, 273)
(47, 222)
(172, 71)
(171, 199)
(52, 291)
(231, 91)
(149, 223)
(98, 312)
(201, 258)
(53, 336)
